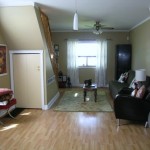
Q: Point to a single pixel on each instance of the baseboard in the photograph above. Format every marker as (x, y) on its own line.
(51, 102)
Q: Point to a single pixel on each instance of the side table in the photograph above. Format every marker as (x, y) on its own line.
(93, 88)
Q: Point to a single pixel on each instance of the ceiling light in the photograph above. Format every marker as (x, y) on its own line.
(75, 19)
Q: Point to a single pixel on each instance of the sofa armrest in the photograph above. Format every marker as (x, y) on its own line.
(131, 108)
(128, 99)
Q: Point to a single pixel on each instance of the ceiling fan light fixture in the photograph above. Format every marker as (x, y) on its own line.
(100, 31)
(97, 32)
(75, 21)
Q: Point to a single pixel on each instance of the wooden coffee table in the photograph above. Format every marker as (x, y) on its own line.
(93, 88)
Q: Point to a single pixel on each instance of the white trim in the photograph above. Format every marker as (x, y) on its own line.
(86, 30)
(11, 52)
(140, 23)
(16, 3)
(51, 102)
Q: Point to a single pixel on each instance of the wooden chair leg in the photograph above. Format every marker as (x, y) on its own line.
(10, 114)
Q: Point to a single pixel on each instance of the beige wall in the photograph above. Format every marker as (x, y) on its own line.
(113, 38)
(140, 38)
(2, 41)
(21, 28)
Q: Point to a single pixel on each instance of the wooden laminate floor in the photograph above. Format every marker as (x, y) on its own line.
(35, 129)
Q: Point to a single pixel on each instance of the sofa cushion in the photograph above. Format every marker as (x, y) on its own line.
(115, 87)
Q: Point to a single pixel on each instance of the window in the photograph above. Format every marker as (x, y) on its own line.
(86, 54)
(86, 61)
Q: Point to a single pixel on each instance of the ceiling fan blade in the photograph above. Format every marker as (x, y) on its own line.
(107, 28)
(88, 26)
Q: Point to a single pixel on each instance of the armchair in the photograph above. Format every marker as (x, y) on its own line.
(6, 101)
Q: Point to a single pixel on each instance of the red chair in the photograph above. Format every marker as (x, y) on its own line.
(6, 101)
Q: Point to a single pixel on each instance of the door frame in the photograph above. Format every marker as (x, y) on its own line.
(12, 52)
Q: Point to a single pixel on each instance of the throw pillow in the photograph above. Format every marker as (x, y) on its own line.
(140, 93)
(4, 91)
(134, 92)
(123, 77)
(3, 103)
(126, 74)
(5, 97)
(132, 84)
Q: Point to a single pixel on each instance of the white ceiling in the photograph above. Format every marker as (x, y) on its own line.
(120, 14)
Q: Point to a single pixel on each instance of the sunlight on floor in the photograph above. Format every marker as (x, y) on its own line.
(25, 114)
(76, 94)
(86, 120)
(9, 127)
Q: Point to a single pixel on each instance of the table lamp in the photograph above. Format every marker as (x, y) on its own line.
(140, 76)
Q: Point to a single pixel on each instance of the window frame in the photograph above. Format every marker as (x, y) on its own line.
(88, 55)
(87, 61)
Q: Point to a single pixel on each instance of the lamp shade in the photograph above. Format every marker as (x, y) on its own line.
(140, 75)
(75, 21)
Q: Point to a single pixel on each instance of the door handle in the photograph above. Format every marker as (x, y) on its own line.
(38, 68)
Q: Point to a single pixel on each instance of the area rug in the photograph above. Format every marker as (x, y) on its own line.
(73, 101)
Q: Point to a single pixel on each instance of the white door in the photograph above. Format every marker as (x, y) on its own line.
(27, 85)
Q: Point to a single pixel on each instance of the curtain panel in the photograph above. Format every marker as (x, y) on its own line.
(101, 65)
(72, 69)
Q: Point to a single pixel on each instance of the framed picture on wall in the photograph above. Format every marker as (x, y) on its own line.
(56, 47)
(3, 61)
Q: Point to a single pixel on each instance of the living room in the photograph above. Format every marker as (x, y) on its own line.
(32, 39)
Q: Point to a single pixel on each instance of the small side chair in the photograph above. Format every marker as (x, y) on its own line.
(6, 101)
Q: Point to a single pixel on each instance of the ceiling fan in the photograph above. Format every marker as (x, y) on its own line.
(98, 28)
